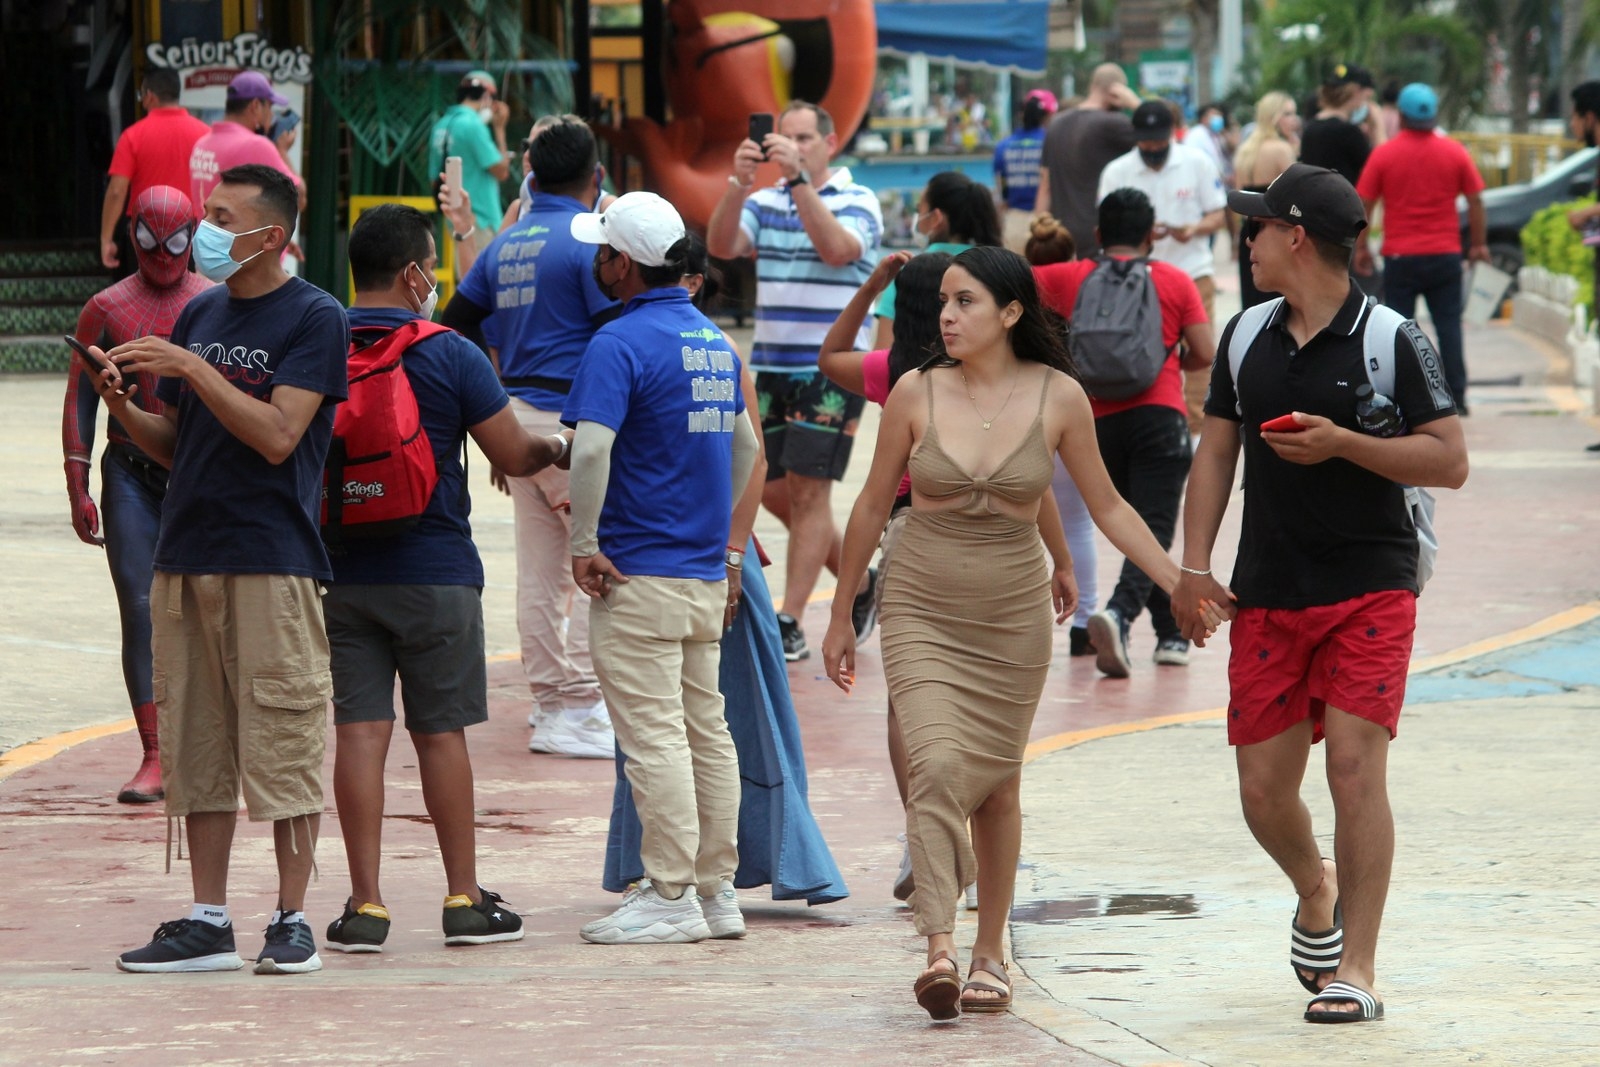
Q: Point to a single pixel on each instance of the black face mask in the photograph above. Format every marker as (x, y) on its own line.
(1157, 159)
(1589, 137)
(594, 268)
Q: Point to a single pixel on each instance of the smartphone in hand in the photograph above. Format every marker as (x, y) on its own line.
(452, 177)
(1283, 424)
(761, 124)
(96, 364)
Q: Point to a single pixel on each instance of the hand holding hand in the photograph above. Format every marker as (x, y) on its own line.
(1201, 604)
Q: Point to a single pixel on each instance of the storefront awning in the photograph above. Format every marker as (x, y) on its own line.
(997, 33)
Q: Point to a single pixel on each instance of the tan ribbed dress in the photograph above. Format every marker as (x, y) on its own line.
(966, 644)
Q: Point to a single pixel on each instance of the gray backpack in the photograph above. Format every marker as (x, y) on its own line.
(1115, 337)
(1378, 337)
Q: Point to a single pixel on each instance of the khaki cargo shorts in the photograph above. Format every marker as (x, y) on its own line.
(241, 688)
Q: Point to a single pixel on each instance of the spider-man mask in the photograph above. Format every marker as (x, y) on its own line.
(163, 222)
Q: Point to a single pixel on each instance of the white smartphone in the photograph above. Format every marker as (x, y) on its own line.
(452, 177)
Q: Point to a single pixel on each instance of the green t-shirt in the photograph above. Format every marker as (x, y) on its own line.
(885, 306)
(462, 132)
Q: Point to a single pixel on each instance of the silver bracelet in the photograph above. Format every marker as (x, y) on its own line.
(1190, 570)
(561, 440)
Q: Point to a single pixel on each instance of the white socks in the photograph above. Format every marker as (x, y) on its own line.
(215, 914)
(290, 917)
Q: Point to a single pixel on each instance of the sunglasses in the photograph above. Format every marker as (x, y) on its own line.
(177, 243)
(1252, 227)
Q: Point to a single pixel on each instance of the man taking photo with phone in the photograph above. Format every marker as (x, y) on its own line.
(815, 237)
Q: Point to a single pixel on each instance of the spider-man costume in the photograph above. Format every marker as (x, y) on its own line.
(131, 483)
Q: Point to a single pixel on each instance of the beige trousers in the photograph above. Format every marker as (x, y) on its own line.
(657, 649)
(557, 665)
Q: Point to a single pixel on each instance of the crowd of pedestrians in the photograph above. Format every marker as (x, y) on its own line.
(1045, 368)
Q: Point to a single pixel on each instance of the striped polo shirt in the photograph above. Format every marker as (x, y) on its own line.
(798, 296)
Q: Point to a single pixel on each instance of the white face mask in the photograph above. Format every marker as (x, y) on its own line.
(486, 113)
(431, 302)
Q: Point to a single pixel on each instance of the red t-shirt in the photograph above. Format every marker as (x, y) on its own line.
(1418, 176)
(156, 150)
(1180, 307)
(229, 144)
(875, 386)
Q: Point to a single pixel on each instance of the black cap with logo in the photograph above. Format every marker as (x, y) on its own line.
(1152, 120)
(1317, 198)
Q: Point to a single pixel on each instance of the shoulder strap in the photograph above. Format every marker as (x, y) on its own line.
(1377, 341)
(927, 380)
(1246, 328)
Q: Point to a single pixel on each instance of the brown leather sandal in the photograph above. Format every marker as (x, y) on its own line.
(988, 1004)
(939, 992)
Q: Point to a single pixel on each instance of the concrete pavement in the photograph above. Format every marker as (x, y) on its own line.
(1149, 930)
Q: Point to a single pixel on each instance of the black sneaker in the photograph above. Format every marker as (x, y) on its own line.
(864, 612)
(1078, 642)
(1109, 633)
(362, 929)
(1172, 652)
(185, 945)
(794, 642)
(466, 923)
(291, 948)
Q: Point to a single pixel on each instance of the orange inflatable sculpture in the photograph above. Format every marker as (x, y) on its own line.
(727, 59)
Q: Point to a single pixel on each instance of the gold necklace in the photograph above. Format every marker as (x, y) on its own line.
(989, 421)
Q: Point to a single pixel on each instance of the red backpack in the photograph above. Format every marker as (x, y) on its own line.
(380, 457)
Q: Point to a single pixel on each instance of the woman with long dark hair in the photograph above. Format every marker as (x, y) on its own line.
(967, 605)
(954, 213)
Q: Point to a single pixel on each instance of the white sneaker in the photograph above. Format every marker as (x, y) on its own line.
(540, 720)
(970, 898)
(721, 909)
(645, 918)
(904, 883)
(582, 733)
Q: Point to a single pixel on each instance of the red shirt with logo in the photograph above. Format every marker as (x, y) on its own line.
(1418, 176)
(156, 150)
(1180, 308)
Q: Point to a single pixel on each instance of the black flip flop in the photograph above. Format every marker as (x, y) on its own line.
(1370, 1008)
(1318, 953)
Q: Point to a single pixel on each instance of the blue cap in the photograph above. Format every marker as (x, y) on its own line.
(1418, 103)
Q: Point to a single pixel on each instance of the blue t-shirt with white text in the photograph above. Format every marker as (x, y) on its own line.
(456, 387)
(1016, 161)
(538, 282)
(228, 510)
(667, 381)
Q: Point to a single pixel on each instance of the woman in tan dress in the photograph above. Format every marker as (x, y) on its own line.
(967, 605)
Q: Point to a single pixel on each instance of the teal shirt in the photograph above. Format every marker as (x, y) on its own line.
(462, 132)
(885, 306)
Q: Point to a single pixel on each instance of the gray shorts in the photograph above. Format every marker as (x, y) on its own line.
(430, 635)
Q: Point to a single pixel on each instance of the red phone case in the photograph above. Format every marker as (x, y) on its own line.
(1282, 424)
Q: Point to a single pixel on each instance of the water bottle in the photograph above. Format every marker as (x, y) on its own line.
(1377, 414)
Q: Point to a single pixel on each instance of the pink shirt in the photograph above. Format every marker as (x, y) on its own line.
(875, 386)
(229, 144)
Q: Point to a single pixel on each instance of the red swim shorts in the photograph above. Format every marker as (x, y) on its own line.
(1289, 664)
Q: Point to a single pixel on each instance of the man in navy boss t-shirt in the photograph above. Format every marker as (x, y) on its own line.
(535, 284)
(249, 380)
(662, 439)
(411, 604)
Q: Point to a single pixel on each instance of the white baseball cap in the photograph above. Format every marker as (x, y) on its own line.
(643, 225)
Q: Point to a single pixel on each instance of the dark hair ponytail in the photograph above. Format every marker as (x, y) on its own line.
(968, 207)
(916, 313)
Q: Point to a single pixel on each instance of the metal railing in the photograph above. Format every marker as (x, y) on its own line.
(1510, 158)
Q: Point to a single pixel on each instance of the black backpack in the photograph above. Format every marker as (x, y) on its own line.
(1116, 330)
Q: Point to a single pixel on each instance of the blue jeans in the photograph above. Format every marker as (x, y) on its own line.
(1436, 279)
(131, 491)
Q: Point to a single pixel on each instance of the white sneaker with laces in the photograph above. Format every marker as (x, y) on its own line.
(581, 733)
(904, 883)
(721, 909)
(647, 918)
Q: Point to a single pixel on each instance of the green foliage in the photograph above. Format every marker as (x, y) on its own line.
(1549, 242)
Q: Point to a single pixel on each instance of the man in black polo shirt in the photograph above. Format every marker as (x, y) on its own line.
(1326, 576)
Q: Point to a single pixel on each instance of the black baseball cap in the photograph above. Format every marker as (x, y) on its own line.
(1350, 74)
(1152, 117)
(1317, 198)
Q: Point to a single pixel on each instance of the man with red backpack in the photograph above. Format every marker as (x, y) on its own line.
(406, 599)
(1129, 317)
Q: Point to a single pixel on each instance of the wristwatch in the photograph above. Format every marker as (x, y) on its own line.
(734, 558)
(801, 178)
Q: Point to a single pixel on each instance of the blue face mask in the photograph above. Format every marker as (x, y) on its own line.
(1216, 123)
(1359, 115)
(213, 250)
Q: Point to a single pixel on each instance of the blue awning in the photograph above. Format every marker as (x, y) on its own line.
(996, 33)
